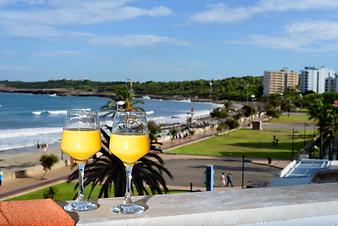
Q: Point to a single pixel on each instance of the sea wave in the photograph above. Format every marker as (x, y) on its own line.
(28, 137)
(177, 118)
(57, 112)
(15, 133)
(54, 112)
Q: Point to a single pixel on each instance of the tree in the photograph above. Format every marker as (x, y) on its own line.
(326, 116)
(272, 111)
(227, 104)
(173, 132)
(219, 113)
(248, 110)
(232, 123)
(47, 161)
(129, 102)
(49, 193)
(154, 129)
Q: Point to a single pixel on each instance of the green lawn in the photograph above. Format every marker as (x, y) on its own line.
(293, 118)
(65, 191)
(251, 143)
(303, 110)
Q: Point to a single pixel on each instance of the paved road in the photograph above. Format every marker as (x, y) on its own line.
(32, 186)
(192, 171)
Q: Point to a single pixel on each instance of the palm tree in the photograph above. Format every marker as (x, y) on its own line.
(173, 132)
(327, 120)
(107, 170)
(47, 161)
(128, 97)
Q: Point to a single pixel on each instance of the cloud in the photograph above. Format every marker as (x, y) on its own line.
(30, 2)
(133, 40)
(32, 31)
(80, 12)
(56, 53)
(310, 35)
(127, 40)
(220, 13)
(61, 19)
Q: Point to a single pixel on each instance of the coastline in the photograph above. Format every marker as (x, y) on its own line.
(73, 92)
(17, 159)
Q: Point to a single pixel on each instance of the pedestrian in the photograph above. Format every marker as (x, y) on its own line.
(1, 177)
(229, 180)
(223, 180)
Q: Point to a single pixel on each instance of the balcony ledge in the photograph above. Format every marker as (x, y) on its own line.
(314, 204)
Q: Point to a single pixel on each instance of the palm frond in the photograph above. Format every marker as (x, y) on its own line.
(107, 170)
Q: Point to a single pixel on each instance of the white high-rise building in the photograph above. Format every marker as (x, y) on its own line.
(313, 79)
(331, 84)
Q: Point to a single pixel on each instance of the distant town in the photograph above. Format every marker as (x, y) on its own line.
(311, 79)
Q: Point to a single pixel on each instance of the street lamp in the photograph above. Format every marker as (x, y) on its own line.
(247, 97)
(130, 80)
(210, 90)
(305, 125)
(253, 98)
(293, 142)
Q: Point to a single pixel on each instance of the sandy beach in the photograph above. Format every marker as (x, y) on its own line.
(23, 158)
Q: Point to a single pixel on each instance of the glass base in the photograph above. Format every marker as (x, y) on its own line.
(80, 206)
(128, 209)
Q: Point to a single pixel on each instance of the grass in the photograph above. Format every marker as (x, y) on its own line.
(293, 118)
(303, 110)
(65, 191)
(251, 143)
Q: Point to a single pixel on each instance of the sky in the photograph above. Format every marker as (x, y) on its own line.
(163, 40)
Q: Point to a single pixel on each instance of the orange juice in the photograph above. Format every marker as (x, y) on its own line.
(81, 144)
(129, 148)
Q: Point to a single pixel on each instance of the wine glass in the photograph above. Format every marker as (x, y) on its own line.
(129, 141)
(81, 139)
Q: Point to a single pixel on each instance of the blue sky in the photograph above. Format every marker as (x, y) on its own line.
(163, 40)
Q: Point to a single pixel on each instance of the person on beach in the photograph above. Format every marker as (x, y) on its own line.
(1, 177)
(229, 180)
(223, 180)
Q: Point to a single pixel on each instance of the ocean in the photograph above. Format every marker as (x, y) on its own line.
(27, 119)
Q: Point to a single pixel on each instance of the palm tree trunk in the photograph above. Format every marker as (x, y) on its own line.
(321, 151)
(330, 147)
(44, 174)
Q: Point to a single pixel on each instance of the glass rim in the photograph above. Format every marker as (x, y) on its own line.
(142, 113)
(81, 111)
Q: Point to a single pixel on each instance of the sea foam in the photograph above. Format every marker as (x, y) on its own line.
(28, 137)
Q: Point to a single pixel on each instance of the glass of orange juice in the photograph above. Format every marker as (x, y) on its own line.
(81, 139)
(129, 141)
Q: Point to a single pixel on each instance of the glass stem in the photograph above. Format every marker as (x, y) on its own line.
(81, 174)
(127, 198)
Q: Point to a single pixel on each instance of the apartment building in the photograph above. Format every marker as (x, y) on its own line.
(331, 84)
(313, 79)
(275, 82)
